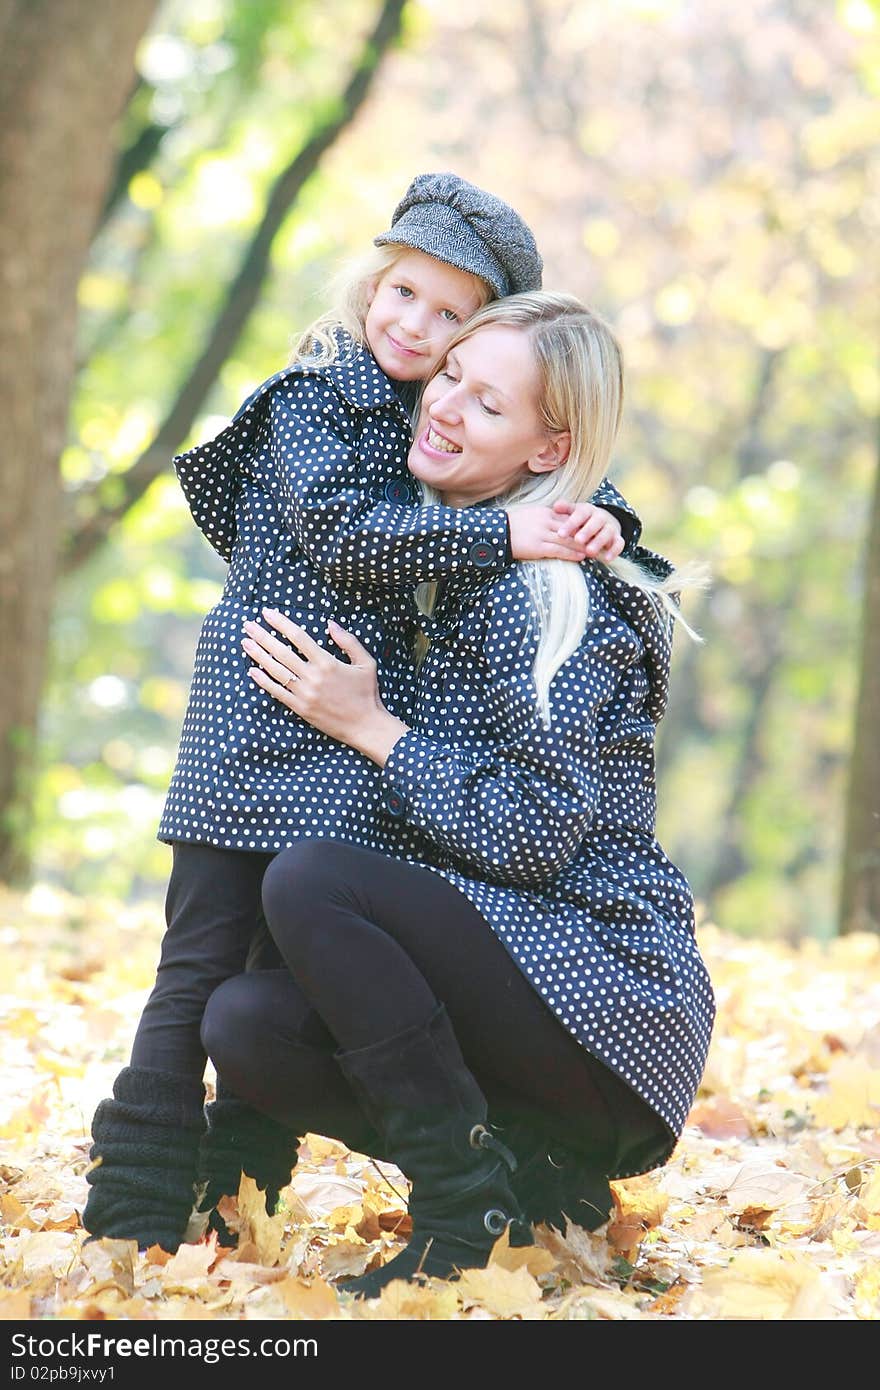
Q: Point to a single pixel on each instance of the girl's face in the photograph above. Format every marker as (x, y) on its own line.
(479, 428)
(415, 307)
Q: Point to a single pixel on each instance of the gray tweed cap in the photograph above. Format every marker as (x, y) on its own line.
(447, 217)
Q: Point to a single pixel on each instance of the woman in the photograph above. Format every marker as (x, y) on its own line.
(525, 971)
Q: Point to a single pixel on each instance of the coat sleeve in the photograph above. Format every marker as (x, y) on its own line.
(337, 521)
(208, 476)
(607, 496)
(516, 813)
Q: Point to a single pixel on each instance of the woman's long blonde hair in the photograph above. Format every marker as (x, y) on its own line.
(580, 390)
(350, 294)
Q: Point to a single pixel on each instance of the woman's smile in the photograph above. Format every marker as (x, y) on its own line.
(432, 441)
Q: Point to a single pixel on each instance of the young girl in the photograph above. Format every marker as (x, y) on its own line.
(307, 496)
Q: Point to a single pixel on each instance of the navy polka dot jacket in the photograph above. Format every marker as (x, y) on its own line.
(549, 831)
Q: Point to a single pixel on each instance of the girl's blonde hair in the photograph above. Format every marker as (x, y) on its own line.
(580, 391)
(319, 344)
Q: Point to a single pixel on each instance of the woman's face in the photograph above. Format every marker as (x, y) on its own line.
(479, 428)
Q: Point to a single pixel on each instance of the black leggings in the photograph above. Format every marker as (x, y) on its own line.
(213, 912)
(372, 945)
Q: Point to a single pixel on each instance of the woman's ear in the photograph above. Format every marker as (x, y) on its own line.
(553, 455)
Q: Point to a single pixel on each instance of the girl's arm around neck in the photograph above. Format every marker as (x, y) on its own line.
(352, 508)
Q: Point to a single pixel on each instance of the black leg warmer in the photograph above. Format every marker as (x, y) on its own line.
(147, 1140)
(240, 1140)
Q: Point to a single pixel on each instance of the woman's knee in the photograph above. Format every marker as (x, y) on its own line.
(301, 881)
(292, 875)
(233, 1021)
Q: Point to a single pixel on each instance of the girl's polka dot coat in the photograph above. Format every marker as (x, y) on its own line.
(307, 496)
(550, 831)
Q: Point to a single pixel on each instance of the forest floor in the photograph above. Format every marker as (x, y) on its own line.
(768, 1209)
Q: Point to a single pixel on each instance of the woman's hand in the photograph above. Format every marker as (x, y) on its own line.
(566, 531)
(341, 700)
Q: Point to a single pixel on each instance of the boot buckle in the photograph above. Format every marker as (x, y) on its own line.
(495, 1221)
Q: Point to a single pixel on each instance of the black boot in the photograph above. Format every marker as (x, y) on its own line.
(240, 1140)
(431, 1115)
(147, 1139)
(554, 1182)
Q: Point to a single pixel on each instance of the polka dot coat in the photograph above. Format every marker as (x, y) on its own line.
(550, 831)
(307, 496)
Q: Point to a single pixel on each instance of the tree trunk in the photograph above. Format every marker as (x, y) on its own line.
(66, 69)
(860, 878)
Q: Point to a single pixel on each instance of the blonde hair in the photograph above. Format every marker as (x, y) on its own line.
(580, 391)
(350, 294)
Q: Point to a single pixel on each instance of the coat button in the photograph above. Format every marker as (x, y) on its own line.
(398, 490)
(483, 554)
(395, 803)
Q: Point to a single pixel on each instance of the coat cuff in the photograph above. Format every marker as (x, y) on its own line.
(403, 776)
(486, 534)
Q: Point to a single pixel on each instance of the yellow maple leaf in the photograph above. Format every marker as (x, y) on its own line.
(320, 1148)
(641, 1198)
(844, 1239)
(111, 1264)
(580, 1257)
(22, 1023)
(824, 1216)
(30, 1118)
(317, 1299)
(253, 1224)
(764, 1187)
(535, 1258)
(247, 1271)
(639, 1205)
(58, 1066)
(610, 1305)
(866, 1294)
(762, 1285)
(431, 1301)
(853, 1095)
(347, 1258)
(189, 1266)
(15, 1215)
(15, 1305)
(340, 1217)
(869, 1197)
(508, 1293)
(721, 1118)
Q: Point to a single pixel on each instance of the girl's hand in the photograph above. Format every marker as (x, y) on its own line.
(565, 531)
(534, 535)
(592, 527)
(341, 700)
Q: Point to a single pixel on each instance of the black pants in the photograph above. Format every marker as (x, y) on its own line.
(213, 909)
(372, 945)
